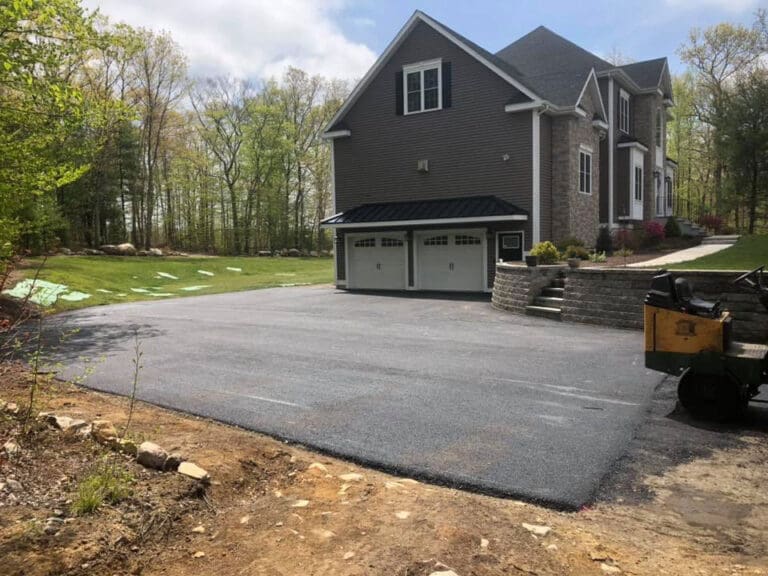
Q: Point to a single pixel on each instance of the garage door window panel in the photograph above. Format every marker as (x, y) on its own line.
(436, 241)
(466, 240)
(365, 243)
(391, 243)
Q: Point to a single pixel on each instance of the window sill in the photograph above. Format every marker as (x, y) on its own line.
(422, 111)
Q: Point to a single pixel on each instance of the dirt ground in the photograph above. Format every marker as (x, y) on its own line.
(692, 505)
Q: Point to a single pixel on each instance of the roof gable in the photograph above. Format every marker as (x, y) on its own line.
(503, 69)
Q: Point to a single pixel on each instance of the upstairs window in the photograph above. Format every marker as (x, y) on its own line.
(638, 183)
(624, 111)
(422, 87)
(585, 171)
(659, 128)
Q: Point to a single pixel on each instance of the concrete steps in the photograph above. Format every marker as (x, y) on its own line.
(688, 228)
(549, 302)
(722, 239)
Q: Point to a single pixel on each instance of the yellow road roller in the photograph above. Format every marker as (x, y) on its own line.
(693, 338)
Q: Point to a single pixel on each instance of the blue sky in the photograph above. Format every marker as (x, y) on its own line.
(341, 38)
(639, 29)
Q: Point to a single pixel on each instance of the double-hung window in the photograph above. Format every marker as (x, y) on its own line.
(638, 183)
(423, 87)
(659, 129)
(585, 171)
(624, 111)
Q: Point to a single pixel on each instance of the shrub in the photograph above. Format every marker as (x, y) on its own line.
(672, 228)
(563, 244)
(576, 252)
(597, 257)
(546, 252)
(625, 238)
(654, 232)
(712, 222)
(604, 241)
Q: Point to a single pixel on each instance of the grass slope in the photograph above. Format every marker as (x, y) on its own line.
(119, 275)
(748, 253)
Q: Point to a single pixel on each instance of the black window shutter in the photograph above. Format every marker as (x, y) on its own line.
(399, 92)
(447, 96)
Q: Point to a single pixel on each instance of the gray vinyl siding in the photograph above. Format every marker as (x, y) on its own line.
(465, 144)
(545, 181)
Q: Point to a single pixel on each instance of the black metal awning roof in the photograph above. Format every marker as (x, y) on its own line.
(424, 212)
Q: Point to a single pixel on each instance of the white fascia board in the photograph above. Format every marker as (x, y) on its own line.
(523, 106)
(419, 16)
(668, 103)
(633, 145)
(600, 124)
(592, 77)
(432, 222)
(612, 72)
(336, 134)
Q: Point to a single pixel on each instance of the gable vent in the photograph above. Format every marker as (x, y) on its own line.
(422, 165)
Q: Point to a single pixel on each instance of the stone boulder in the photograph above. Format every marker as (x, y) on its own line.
(192, 470)
(155, 252)
(93, 252)
(65, 423)
(125, 249)
(151, 455)
(264, 253)
(103, 431)
(65, 251)
(294, 253)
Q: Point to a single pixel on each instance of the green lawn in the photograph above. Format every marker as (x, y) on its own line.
(748, 253)
(112, 279)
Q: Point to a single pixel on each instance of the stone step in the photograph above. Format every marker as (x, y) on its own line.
(558, 283)
(548, 302)
(552, 292)
(543, 312)
(722, 239)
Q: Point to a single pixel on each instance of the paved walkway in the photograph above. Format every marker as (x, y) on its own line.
(682, 256)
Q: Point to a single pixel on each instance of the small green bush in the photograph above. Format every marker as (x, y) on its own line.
(109, 483)
(576, 252)
(546, 252)
(604, 242)
(597, 257)
(672, 228)
(563, 244)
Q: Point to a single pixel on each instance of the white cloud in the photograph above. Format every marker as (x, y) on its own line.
(734, 6)
(250, 38)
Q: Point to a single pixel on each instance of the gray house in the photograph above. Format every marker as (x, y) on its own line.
(448, 158)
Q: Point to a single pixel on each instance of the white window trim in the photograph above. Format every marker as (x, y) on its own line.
(624, 97)
(587, 151)
(421, 67)
(637, 161)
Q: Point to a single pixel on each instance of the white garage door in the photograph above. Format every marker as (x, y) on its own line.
(376, 261)
(452, 260)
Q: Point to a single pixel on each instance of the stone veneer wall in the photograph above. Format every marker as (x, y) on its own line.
(614, 296)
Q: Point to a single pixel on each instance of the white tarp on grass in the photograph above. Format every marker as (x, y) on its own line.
(168, 276)
(195, 288)
(44, 293)
(206, 273)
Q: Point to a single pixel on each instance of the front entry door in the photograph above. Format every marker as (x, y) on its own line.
(510, 246)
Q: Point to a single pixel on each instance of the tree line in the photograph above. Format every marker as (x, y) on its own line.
(106, 138)
(719, 131)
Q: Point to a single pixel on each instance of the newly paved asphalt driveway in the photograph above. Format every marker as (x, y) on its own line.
(449, 390)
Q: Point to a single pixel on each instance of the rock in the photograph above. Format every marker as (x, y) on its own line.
(323, 533)
(173, 462)
(14, 485)
(198, 555)
(552, 547)
(12, 448)
(155, 252)
(65, 423)
(245, 519)
(142, 253)
(318, 466)
(294, 253)
(300, 504)
(85, 432)
(11, 408)
(403, 514)
(150, 455)
(52, 526)
(199, 529)
(264, 253)
(484, 543)
(58, 512)
(194, 471)
(537, 530)
(103, 431)
(351, 477)
(444, 573)
(348, 555)
(608, 569)
(125, 249)
(313, 253)
(66, 251)
(93, 252)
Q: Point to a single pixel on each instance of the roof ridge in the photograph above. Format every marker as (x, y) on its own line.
(561, 37)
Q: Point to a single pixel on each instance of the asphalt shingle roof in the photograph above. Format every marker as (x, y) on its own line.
(465, 207)
(646, 74)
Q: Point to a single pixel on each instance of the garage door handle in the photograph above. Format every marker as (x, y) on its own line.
(450, 266)
(378, 266)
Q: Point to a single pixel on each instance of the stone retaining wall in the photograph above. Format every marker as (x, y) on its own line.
(614, 296)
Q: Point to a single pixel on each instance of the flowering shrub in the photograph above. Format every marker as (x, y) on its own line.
(654, 232)
(712, 222)
(546, 252)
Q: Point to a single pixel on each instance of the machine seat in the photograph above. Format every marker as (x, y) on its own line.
(692, 305)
